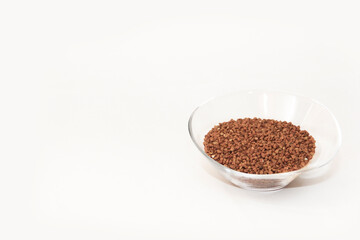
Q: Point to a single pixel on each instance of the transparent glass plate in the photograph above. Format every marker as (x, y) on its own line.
(309, 114)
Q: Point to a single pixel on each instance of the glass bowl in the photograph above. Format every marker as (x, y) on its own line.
(309, 114)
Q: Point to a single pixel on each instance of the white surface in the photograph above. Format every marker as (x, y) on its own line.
(95, 98)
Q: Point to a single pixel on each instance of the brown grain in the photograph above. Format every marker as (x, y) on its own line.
(260, 146)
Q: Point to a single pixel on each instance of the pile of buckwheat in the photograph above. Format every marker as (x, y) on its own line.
(260, 146)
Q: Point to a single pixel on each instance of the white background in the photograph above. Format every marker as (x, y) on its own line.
(95, 98)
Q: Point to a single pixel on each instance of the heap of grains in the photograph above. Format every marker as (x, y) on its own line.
(260, 146)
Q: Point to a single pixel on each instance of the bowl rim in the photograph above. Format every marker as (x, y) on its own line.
(259, 91)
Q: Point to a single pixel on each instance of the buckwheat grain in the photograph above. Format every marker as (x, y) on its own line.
(260, 146)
